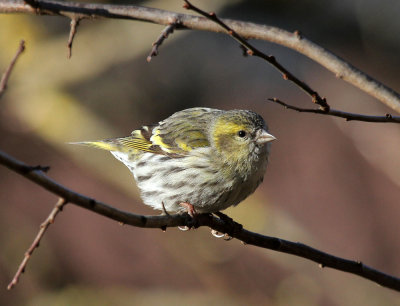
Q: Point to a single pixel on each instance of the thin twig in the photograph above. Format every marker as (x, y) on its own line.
(164, 209)
(164, 35)
(35, 244)
(388, 118)
(217, 224)
(253, 51)
(73, 28)
(7, 73)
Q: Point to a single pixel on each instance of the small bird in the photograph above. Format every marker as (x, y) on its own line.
(198, 160)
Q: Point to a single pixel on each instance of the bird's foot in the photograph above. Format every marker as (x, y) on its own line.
(189, 209)
(192, 213)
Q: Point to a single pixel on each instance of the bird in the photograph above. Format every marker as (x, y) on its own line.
(198, 160)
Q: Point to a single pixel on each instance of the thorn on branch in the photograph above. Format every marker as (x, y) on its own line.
(339, 75)
(92, 203)
(28, 169)
(36, 242)
(298, 34)
(7, 73)
(244, 50)
(164, 35)
(34, 4)
(40, 168)
(73, 28)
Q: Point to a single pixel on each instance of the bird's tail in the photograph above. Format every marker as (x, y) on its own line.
(107, 145)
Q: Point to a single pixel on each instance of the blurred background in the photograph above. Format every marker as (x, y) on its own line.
(331, 184)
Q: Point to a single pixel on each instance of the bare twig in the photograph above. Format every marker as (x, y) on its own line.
(248, 30)
(388, 118)
(217, 224)
(7, 73)
(253, 51)
(164, 35)
(164, 209)
(35, 244)
(73, 28)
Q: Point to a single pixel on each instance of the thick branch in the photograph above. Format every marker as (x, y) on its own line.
(217, 224)
(388, 118)
(248, 30)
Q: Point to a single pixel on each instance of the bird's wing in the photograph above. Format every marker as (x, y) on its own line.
(175, 136)
(184, 131)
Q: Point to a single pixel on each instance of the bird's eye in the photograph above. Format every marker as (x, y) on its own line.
(241, 133)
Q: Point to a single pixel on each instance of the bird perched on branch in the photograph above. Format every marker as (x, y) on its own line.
(197, 160)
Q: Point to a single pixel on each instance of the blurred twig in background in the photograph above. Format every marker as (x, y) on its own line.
(253, 51)
(324, 107)
(35, 244)
(7, 73)
(335, 64)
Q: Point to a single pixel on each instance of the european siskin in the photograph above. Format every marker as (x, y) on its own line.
(197, 160)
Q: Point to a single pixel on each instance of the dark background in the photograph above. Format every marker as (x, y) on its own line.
(331, 184)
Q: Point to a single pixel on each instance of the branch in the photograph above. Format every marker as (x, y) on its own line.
(295, 41)
(73, 28)
(35, 244)
(164, 35)
(220, 225)
(253, 51)
(388, 118)
(7, 73)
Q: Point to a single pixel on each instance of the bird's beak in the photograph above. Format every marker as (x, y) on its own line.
(264, 137)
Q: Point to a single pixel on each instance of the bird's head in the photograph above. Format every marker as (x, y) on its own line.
(240, 136)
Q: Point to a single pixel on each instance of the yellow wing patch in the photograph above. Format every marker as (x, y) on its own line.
(157, 140)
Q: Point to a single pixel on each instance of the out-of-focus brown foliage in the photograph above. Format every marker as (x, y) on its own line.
(331, 184)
